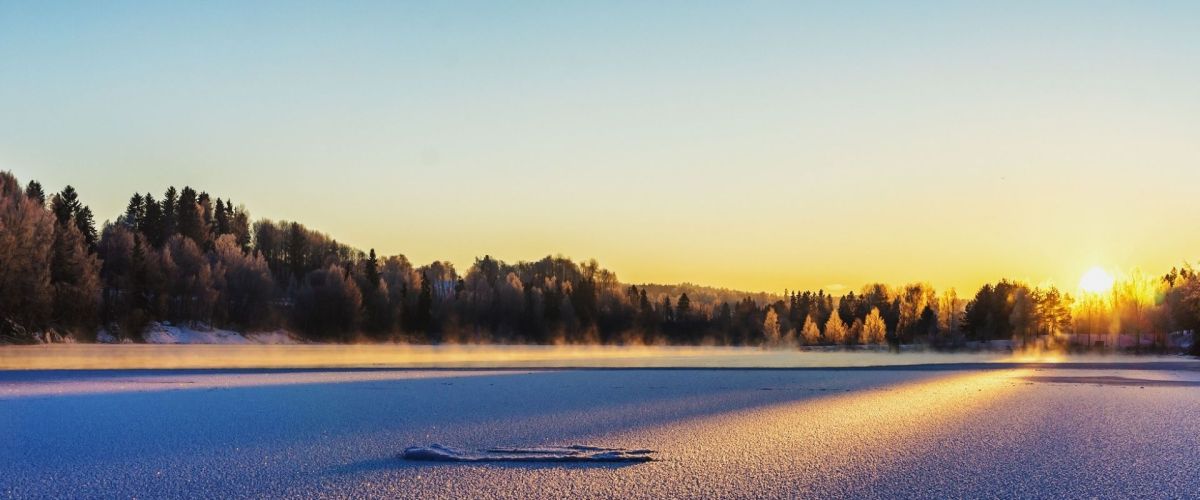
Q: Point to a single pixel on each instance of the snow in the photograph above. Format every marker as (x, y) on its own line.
(569, 453)
(103, 336)
(166, 333)
(885, 432)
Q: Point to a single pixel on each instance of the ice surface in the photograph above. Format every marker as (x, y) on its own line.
(571, 453)
(906, 432)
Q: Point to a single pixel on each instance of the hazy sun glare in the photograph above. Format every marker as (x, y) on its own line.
(1096, 280)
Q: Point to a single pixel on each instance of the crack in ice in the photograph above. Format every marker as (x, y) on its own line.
(571, 453)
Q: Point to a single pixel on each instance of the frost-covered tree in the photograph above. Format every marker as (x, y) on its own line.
(949, 310)
(810, 333)
(771, 327)
(328, 305)
(27, 236)
(835, 329)
(914, 299)
(874, 330)
(245, 285)
(192, 294)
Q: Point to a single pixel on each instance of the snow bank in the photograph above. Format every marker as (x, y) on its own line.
(105, 337)
(572, 453)
(166, 333)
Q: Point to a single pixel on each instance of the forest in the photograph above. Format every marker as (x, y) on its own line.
(187, 257)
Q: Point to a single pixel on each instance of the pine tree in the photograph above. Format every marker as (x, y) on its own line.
(189, 220)
(64, 205)
(33, 191)
(134, 212)
(87, 227)
(152, 224)
(296, 250)
(375, 300)
(239, 225)
(684, 307)
(169, 222)
(69, 211)
(139, 300)
(372, 269)
(222, 219)
(75, 276)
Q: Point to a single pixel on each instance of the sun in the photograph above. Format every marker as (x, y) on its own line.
(1096, 280)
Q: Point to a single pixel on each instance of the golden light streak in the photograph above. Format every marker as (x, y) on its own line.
(149, 356)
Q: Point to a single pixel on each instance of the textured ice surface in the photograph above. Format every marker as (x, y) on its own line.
(572, 453)
(829, 433)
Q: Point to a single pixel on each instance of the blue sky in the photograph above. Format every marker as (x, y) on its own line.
(753, 144)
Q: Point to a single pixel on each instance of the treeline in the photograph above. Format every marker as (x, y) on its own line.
(188, 257)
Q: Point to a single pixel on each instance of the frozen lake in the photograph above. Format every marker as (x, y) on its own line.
(965, 428)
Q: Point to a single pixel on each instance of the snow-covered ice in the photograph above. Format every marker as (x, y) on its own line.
(1037, 431)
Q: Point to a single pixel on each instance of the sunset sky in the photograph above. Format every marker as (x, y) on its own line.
(752, 145)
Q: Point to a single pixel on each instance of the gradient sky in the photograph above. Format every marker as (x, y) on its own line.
(754, 145)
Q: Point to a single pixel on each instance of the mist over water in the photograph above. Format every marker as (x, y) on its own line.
(146, 356)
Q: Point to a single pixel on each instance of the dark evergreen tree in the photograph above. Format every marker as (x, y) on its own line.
(135, 211)
(377, 313)
(296, 250)
(34, 192)
(153, 224)
(189, 220)
(424, 312)
(170, 203)
(222, 219)
(372, 269)
(65, 205)
(87, 227)
(684, 307)
(206, 209)
(75, 276)
(239, 225)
